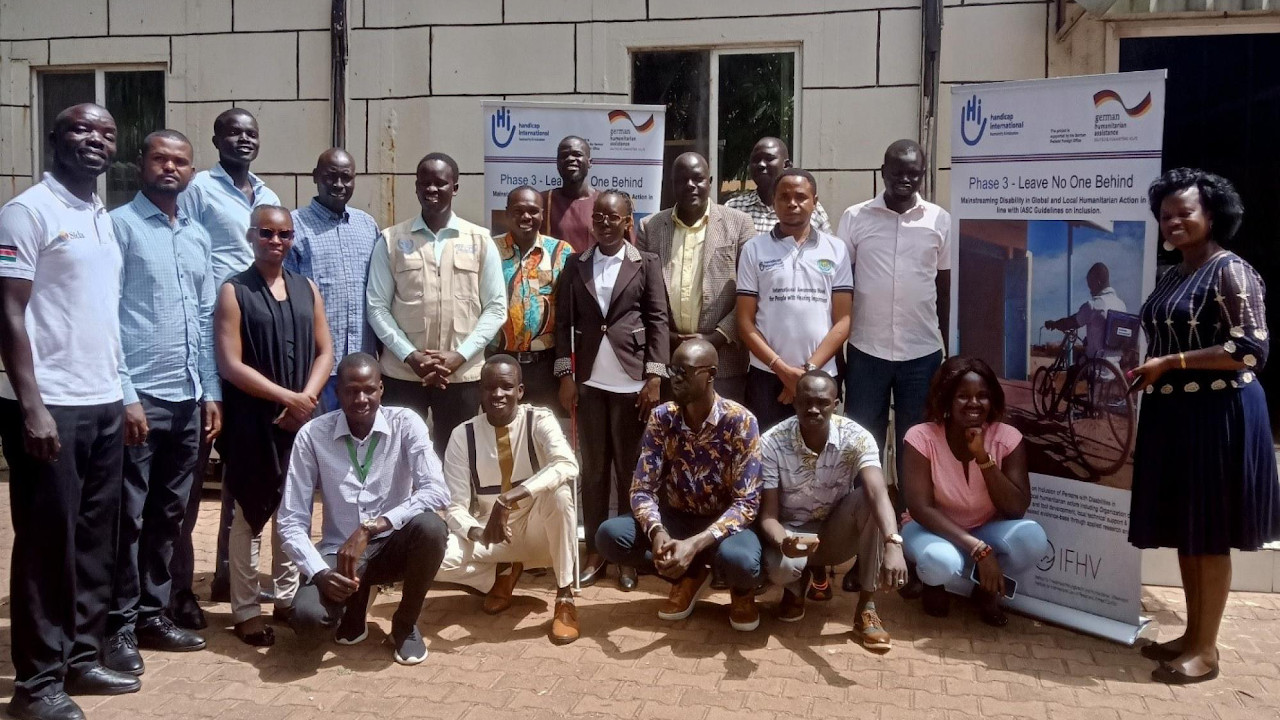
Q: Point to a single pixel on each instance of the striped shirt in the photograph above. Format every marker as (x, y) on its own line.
(764, 217)
(334, 250)
(167, 293)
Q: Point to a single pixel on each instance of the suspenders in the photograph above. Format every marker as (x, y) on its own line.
(475, 472)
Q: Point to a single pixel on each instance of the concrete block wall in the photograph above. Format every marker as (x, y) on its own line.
(419, 70)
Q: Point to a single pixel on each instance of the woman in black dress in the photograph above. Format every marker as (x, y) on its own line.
(274, 355)
(1204, 476)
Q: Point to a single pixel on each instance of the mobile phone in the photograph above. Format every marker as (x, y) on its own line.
(805, 540)
(1010, 585)
(1133, 385)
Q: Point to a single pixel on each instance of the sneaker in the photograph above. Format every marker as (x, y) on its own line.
(684, 594)
(743, 615)
(353, 628)
(871, 630)
(411, 649)
(160, 633)
(791, 606)
(121, 653)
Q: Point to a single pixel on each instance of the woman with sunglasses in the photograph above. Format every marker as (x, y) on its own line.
(611, 312)
(274, 355)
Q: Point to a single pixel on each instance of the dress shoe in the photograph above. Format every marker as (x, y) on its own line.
(791, 607)
(99, 680)
(121, 653)
(186, 611)
(57, 706)
(283, 615)
(850, 583)
(684, 594)
(564, 626)
(159, 633)
(626, 578)
(870, 630)
(499, 597)
(743, 614)
(590, 574)
(220, 590)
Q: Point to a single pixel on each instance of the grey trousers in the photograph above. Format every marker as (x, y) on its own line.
(849, 530)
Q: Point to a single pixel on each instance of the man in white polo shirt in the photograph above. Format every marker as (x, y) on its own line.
(901, 255)
(795, 291)
(62, 420)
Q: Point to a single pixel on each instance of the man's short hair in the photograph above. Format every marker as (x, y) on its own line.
(165, 134)
(358, 361)
(522, 188)
(819, 375)
(503, 359)
(226, 115)
(440, 157)
(797, 172)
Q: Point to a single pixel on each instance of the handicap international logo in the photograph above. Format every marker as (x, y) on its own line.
(500, 121)
(971, 116)
(826, 267)
(1104, 96)
(644, 127)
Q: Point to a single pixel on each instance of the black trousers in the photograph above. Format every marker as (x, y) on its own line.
(609, 432)
(761, 398)
(65, 520)
(412, 554)
(153, 503)
(183, 566)
(449, 406)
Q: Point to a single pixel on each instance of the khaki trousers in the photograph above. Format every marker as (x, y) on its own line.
(542, 535)
(242, 555)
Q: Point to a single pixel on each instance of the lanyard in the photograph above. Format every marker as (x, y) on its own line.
(362, 469)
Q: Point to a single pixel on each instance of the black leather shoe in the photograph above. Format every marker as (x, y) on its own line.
(266, 597)
(590, 575)
(220, 590)
(99, 680)
(186, 611)
(626, 578)
(121, 653)
(159, 633)
(850, 583)
(58, 706)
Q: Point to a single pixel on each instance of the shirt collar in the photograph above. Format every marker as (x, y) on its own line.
(324, 212)
(713, 418)
(698, 224)
(507, 245)
(61, 192)
(776, 234)
(380, 425)
(221, 173)
(916, 204)
(147, 209)
(833, 435)
(420, 225)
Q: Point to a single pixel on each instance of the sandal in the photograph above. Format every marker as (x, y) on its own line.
(266, 637)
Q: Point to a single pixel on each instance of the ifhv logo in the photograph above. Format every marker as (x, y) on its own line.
(501, 121)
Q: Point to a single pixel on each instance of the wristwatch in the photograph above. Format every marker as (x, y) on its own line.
(893, 538)
(808, 367)
(370, 525)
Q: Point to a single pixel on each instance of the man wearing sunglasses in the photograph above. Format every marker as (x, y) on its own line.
(695, 494)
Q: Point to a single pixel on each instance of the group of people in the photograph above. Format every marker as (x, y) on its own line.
(311, 348)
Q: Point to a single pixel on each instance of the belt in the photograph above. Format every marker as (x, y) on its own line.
(529, 358)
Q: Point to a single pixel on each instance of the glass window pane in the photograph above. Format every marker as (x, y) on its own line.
(136, 100)
(59, 91)
(757, 99)
(680, 80)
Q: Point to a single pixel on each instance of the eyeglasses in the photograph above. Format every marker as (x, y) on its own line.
(268, 233)
(612, 218)
(679, 371)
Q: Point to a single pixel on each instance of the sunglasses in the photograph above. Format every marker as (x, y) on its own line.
(268, 233)
(679, 371)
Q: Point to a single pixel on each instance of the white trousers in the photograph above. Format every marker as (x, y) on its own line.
(242, 558)
(542, 535)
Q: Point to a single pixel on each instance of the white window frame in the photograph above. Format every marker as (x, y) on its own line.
(100, 96)
(713, 79)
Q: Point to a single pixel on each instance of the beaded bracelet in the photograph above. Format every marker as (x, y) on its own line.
(981, 552)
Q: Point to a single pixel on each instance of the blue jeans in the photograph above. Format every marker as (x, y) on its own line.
(868, 383)
(737, 557)
(1018, 545)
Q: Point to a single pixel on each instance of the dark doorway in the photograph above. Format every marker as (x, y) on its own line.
(1222, 113)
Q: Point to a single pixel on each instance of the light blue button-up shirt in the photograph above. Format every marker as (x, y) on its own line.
(213, 200)
(167, 292)
(333, 250)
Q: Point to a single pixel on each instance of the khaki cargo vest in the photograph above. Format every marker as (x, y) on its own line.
(435, 305)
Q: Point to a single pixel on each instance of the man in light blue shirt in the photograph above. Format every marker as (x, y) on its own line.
(166, 326)
(331, 245)
(436, 298)
(220, 199)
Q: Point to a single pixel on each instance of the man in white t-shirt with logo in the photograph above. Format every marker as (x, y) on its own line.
(795, 295)
(62, 420)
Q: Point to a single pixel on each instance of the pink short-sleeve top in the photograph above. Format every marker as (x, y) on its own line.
(959, 491)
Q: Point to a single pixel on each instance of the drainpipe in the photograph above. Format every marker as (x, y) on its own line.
(338, 71)
(930, 59)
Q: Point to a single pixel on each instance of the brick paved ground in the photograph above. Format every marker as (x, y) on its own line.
(631, 665)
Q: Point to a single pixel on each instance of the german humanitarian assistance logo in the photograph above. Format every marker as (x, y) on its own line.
(644, 127)
(1105, 96)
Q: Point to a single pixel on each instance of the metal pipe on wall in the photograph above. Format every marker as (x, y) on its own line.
(338, 35)
(930, 60)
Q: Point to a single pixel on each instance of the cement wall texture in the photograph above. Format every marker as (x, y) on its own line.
(418, 71)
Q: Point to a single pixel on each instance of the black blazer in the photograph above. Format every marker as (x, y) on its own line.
(636, 324)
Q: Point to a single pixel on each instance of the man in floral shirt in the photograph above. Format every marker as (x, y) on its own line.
(695, 493)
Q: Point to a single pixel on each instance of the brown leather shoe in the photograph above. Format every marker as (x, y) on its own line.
(684, 594)
(564, 626)
(870, 629)
(499, 597)
(791, 606)
(743, 615)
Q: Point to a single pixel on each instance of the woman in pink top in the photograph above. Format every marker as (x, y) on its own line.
(965, 479)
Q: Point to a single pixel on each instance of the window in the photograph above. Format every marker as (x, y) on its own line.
(749, 94)
(135, 99)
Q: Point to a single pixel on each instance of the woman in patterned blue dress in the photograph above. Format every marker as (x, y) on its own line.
(1204, 476)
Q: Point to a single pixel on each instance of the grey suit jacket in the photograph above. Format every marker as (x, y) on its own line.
(727, 231)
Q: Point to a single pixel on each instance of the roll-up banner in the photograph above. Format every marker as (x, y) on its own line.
(520, 140)
(1056, 252)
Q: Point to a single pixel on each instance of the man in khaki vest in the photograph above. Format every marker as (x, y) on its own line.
(435, 300)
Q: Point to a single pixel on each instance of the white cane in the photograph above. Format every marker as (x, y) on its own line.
(573, 438)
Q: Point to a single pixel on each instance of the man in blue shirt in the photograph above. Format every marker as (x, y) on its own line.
(166, 324)
(220, 199)
(331, 245)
